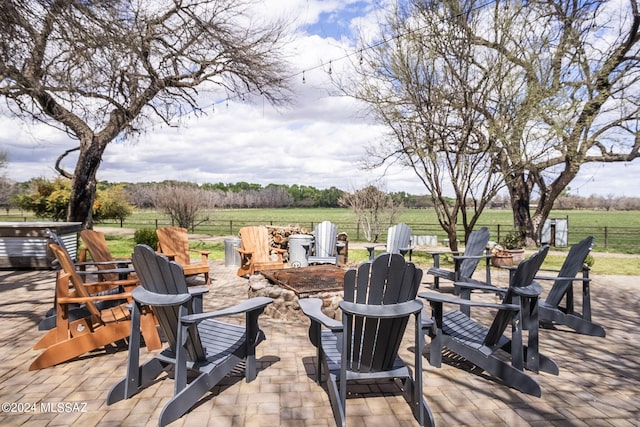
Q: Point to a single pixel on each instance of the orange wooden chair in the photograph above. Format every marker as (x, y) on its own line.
(97, 250)
(108, 319)
(173, 242)
(256, 253)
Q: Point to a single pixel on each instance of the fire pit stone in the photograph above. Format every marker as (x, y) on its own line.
(288, 285)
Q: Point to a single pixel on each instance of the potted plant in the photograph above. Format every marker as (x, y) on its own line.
(500, 257)
(513, 243)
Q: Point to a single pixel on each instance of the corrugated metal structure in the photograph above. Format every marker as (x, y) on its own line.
(24, 245)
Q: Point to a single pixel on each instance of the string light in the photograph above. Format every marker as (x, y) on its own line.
(359, 52)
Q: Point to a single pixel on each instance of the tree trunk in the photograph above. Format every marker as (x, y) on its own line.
(83, 185)
(520, 205)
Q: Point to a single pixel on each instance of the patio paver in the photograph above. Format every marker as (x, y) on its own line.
(597, 386)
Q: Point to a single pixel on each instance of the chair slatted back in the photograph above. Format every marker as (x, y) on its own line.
(572, 265)
(96, 244)
(526, 271)
(475, 246)
(159, 275)
(69, 269)
(398, 237)
(373, 343)
(174, 241)
(523, 276)
(325, 239)
(255, 239)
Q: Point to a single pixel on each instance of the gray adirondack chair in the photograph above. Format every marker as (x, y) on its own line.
(504, 358)
(398, 242)
(197, 341)
(465, 264)
(379, 298)
(325, 244)
(551, 310)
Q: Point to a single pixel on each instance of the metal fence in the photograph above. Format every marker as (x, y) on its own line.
(609, 238)
(619, 239)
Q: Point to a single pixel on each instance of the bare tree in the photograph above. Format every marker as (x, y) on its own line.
(374, 210)
(565, 89)
(183, 202)
(98, 69)
(421, 87)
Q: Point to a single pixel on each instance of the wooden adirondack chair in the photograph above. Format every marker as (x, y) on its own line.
(174, 243)
(487, 347)
(75, 311)
(325, 244)
(379, 299)
(198, 343)
(97, 249)
(552, 312)
(256, 253)
(104, 324)
(398, 241)
(474, 251)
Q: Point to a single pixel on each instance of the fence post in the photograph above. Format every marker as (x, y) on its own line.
(606, 236)
(230, 227)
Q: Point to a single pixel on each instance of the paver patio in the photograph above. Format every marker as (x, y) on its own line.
(598, 385)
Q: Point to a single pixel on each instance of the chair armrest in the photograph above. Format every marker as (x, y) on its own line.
(251, 304)
(443, 252)
(480, 286)
(581, 279)
(170, 255)
(146, 297)
(198, 251)
(462, 257)
(118, 270)
(311, 307)
(532, 290)
(244, 252)
(198, 291)
(93, 298)
(370, 247)
(441, 298)
(94, 287)
(382, 311)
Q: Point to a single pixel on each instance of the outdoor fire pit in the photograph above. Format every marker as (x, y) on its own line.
(287, 286)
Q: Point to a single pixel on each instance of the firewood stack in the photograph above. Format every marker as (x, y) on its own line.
(279, 236)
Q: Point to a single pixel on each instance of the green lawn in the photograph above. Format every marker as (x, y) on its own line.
(604, 263)
(615, 232)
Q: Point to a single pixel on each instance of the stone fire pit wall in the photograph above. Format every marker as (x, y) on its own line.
(285, 301)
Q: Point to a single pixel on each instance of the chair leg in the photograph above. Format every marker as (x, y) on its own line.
(147, 373)
(148, 325)
(421, 411)
(339, 409)
(79, 345)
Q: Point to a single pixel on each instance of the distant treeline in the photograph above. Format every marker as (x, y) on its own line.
(251, 195)
(248, 195)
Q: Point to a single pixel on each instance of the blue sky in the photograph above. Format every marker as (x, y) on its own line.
(318, 140)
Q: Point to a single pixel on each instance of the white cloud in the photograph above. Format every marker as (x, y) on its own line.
(318, 140)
